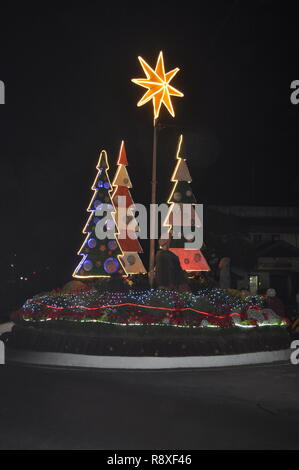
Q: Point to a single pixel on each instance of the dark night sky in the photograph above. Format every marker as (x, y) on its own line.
(68, 95)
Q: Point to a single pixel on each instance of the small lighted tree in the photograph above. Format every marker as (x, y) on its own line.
(128, 227)
(100, 252)
(191, 260)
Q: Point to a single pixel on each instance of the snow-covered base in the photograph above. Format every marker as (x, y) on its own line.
(262, 317)
(126, 362)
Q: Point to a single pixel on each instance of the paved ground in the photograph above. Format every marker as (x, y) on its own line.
(253, 407)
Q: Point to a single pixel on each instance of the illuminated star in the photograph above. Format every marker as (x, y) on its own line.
(157, 83)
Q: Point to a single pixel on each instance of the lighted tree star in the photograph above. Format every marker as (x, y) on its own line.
(158, 85)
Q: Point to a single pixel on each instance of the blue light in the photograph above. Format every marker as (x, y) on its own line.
(92, 243)
(96, 203)
(111, 265)
(87, 266)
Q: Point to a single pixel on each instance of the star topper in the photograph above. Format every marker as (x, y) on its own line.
(157, 82)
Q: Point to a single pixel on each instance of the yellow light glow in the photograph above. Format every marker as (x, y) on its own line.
(175, 170)
(103, 154)
(179, 159)
(172, 204)
(158, 85)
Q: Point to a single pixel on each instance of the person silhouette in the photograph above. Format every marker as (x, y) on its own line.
(168, 271)
(274, 302)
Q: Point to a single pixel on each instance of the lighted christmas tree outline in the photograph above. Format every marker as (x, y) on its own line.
(104, 255)
(191, 260)
(129, 245)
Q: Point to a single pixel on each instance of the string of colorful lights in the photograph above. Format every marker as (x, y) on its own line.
(151, 307)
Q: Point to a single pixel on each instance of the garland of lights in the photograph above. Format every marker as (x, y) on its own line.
(151, 307)
(216, 298)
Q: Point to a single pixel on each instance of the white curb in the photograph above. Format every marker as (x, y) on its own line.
(134, 362)
(2, 353)
(6, 327)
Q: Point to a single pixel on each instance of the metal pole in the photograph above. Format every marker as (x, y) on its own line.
(153, 201)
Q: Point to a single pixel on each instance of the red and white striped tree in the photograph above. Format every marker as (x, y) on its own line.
(127, 228)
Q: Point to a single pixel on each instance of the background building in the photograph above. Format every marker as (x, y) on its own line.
(267, 239)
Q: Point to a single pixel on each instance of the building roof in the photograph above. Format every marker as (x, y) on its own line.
(262, 219)
(277, 249)
(263, 212)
